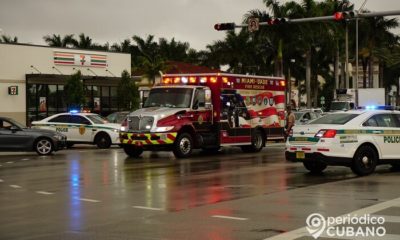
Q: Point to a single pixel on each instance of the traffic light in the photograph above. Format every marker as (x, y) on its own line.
(224, 26)
(340, 16)
(277, 21)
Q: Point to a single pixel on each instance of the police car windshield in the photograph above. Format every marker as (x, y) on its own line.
(169, 97)
(97, 119)
(335, 118)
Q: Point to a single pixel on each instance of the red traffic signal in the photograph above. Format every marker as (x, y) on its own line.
(339, 16)
(276, 21)
(224, 26)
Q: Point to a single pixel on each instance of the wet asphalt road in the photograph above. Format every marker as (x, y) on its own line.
(86, 193)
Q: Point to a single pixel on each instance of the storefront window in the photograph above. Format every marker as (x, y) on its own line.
(105, 98)
(114, 99)
(52, 99)
(61, 105)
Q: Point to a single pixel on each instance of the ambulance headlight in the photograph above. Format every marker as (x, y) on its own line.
(163, 129)
(117, 130)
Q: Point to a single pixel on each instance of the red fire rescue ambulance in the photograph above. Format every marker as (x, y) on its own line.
(206, 111)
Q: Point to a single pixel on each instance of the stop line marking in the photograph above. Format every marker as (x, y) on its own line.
(228, 217)
(44, 192)
(148, 208)
(89, 200)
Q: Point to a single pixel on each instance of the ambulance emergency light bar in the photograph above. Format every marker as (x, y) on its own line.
(199, 80)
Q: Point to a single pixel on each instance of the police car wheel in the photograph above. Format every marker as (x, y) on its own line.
(315, 167)
(44, 146)
(132, 151)
(102, 141)
(364, 161)
(183, 145)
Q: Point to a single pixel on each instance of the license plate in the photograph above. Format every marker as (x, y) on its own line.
(300, 155)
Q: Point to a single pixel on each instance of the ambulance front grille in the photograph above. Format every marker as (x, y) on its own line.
(142, 124)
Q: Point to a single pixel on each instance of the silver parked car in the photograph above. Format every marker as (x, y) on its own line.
(16, 137)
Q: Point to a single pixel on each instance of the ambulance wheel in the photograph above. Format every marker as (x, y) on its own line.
(364, 161)
(132, 151)
(257, 143)
(102, 140)
(183, 145)
(44, 146)
(315, 167)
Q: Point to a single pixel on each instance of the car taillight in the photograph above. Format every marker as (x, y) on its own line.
(326, 133)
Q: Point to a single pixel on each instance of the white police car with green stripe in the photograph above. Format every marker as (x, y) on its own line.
(359, 139)
(82, 128)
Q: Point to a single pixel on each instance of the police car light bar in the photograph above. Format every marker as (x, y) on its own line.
(73, 111)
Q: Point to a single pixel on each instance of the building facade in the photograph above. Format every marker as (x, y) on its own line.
(32, 79)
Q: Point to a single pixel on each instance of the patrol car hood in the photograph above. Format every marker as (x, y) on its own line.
(309, 130)
(112, 125)
(157, 111)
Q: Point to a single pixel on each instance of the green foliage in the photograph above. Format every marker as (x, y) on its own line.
(128, 94)
(74, 92)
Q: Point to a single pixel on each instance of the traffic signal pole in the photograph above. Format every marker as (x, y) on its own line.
(338, 16)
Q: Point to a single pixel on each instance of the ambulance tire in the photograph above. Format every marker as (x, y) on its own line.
(364, 161)
(132, 151)
(315, 167)
(102, 140)
(44, 146)
(183, 145)
(257, 143)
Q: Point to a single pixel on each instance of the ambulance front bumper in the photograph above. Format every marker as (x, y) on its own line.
(148, 139)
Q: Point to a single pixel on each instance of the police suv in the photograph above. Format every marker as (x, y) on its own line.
(82, 128)
(359, 139)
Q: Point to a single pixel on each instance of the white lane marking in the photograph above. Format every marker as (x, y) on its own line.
(9, 162)
(148, 208)
(44, 192)
(25, 159)
(300, 232)
(15, 186)
(89, 200)
(228, 217)
(1, 180)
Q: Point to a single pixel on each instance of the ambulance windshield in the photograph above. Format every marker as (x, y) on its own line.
(169, 97)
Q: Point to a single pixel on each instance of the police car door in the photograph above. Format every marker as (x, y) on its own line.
(79, 130)
(383, 129)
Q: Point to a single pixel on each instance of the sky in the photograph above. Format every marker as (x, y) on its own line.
(113, 21)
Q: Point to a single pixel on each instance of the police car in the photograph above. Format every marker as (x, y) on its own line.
(359, 139)
(82, 128)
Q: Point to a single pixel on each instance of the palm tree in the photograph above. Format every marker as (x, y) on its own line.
(84, 42)
(124, 46)
(56, 40)
(173, 50)
(374, 35)
(148, 58)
